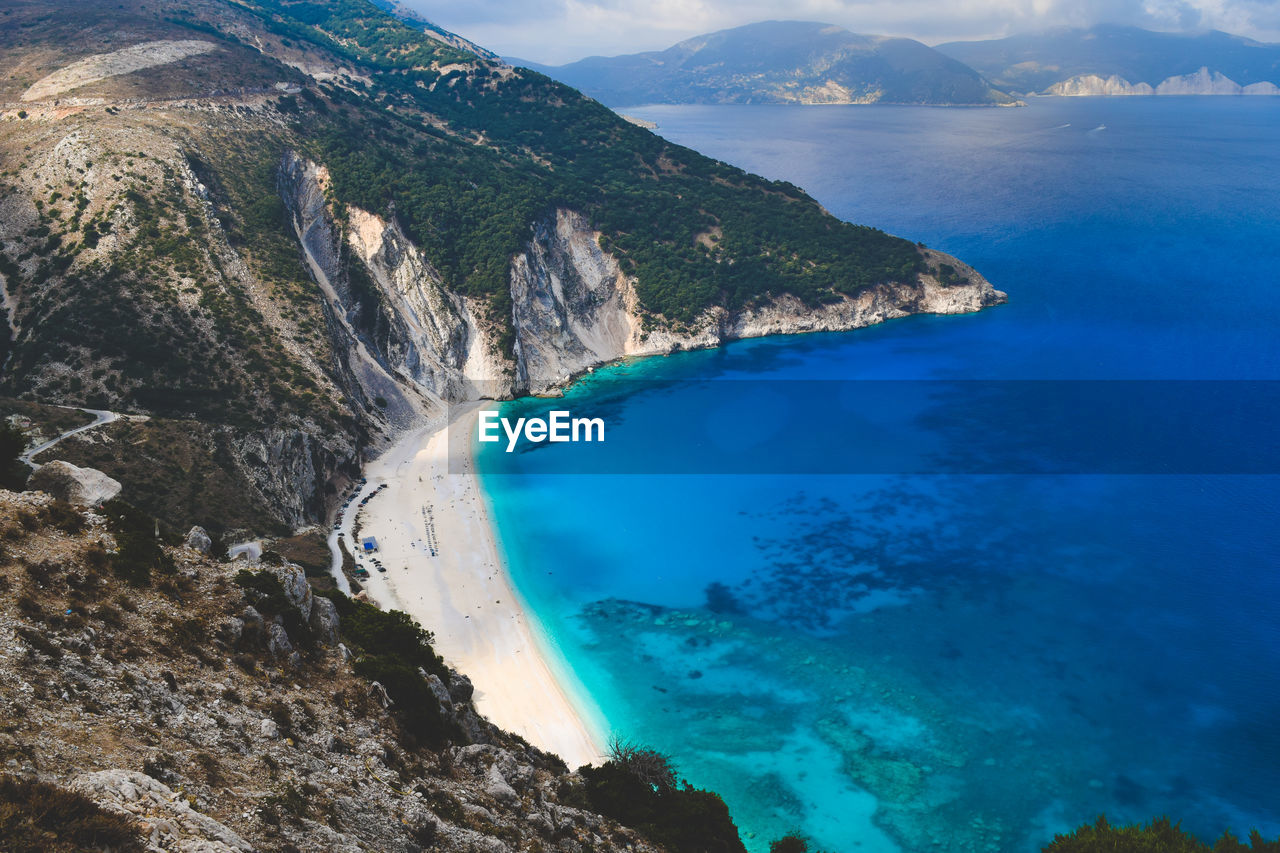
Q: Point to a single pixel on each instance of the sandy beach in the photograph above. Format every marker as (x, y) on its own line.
(461, 592)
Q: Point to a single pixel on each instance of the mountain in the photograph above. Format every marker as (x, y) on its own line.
(265, 238)
(1083, 61)
(777, 62)
(281, 232)
(414, 19)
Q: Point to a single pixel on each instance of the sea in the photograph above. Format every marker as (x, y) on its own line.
(951, 583)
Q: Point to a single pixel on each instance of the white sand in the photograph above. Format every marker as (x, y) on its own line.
(463, 594)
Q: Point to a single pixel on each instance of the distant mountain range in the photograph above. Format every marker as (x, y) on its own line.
(812, 63)
(781, 62)
(1115, 60)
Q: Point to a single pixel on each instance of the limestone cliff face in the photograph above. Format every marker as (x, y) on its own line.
(367, 376)
(1202, 82)
(289, 468)
(441, 341)
(572, 306)
(414, 341)
(1092, 84)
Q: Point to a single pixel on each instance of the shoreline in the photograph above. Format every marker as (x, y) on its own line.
(463, 593)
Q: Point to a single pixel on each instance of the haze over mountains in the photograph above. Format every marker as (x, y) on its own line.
(815, 63)
(781, 62)
(1062, 61)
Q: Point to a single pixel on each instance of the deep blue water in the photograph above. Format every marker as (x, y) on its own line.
(978, 656)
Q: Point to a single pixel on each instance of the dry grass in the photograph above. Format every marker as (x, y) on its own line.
(43, 818)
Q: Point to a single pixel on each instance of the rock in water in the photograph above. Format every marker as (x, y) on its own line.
(199, 540)
(82, 486)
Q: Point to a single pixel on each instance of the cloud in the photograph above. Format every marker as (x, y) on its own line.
(556, 31)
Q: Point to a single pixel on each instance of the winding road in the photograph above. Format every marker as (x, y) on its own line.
(101, 417)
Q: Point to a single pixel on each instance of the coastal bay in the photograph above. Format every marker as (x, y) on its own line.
(976, 659)
(462, 592)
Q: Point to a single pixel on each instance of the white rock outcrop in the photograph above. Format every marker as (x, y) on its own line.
(167, 819)
(1202, 82)
(81, 486)
(127, 60)
(198, 539)
(572, 307)
(1092, 84)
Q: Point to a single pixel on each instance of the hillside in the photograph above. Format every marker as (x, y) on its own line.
(1141, 61)
(157, 699)
(287, 230)
(777, 62)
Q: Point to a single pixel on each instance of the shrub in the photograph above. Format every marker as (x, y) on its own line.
(389, 633)
(36, 816)
(267, 595)
(1159, 836)
(415, 706)
(283, 718)
(162, 767)
(211, 767)
(95, 556)
(13, 474)
(65, 517)
(109, 616)
(647, 765)
(138, 550)
(792, 842)
(636, 787)
(292, 801)
(392, 648)
(40, 643)
(30, 608)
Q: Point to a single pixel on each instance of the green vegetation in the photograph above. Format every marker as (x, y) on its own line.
(390, 649)
(266, 594)
(181, 471)
(36, 817)
(637, 787)
(310, 551)
(519, 145)
(139, 550)
(948, 275)
(13, 474)
(1159, 836)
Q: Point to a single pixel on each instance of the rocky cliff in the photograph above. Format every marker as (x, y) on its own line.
(286, 238)
(572, 306)
(212, 712)
(1202, 82)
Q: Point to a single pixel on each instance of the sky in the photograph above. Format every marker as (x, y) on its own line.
(559, 31)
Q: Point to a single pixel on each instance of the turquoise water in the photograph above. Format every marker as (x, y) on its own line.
(1020, 602)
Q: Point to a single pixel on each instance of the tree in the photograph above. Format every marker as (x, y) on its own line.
(637, 787)
(1159, 836)
(647, 766)
(792, 842)
(13, 473)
